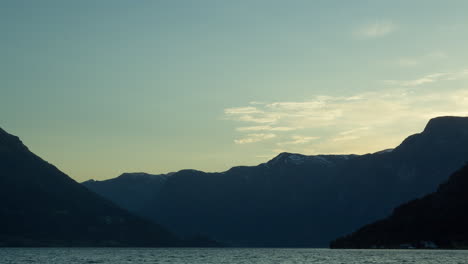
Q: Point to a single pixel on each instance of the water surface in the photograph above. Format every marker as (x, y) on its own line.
(226, 255)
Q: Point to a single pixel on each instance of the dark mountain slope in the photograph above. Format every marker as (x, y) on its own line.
(129, 190)
(436, 220)
(297, 200)
(41, 206)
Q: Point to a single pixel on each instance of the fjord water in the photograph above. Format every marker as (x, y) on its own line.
(226, 256)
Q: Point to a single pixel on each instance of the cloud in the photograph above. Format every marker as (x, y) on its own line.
(376, 29)
(263, 118)
(250, 114)
(345, 138)
(422, 60)
(252, 138)
(352, 134)
(430, 78)
(359, 123)
(241, 110)
(298, 140)
(354, 131)
(265, 128)
(437, 55)
(409, 62)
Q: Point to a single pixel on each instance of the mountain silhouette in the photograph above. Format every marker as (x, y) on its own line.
(41, 206)
(437, 220)
(293, 199)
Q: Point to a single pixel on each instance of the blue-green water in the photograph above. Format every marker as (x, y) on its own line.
(226, 255)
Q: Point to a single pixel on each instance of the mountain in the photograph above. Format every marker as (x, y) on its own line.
(129, 190)
(293, 199)
(437, 220)
(41, 206)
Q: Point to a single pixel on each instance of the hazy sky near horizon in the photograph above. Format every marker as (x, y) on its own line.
(99, 88)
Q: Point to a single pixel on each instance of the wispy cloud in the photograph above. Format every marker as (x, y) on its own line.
(437, 55)
(430, 78)
(359, 123)
(252, 138)
(251, 114)
(352, 134)
(376, 29)
(421, 60)
(409, 62)
(241, 110)
(265, 128)
(354, 131)
(295, 140)
(262, 118)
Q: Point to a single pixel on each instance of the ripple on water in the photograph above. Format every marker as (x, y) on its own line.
(226, 256)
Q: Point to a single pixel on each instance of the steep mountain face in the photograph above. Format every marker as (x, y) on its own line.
(41, 206)
(437, 220)
(129, 190)
(297, 200)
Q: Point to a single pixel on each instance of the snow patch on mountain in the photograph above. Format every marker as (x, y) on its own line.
(299, 159)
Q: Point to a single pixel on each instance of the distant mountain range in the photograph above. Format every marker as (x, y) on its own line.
(293, 199)
(437, 220)
(41, 206)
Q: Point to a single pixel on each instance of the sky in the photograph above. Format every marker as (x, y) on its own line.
(99, 88)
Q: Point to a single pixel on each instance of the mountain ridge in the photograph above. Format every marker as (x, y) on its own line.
(436, 220)
(299, 200)
(42, 206)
